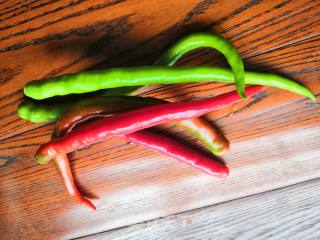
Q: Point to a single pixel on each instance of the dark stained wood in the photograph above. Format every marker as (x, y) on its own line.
(275, 136)
(64, 38)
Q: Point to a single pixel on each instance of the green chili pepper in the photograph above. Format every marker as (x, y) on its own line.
(199, 127)
(138, 76)
(185, 45)
(37, 112)
(191, 42)
(200, 40)
(214, 140)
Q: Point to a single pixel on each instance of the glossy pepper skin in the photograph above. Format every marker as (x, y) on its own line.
(100, 106)
(178, 151)
(165, 145)
(135, 120)
(82, 111)
(191, 42)
(199, 127)
(61, 162)
(215, 141)
(217, 42)
(118, 77)
(183, 46)
(157, 142)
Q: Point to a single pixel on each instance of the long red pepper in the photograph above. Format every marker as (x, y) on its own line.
(135, 120)
(157, 142)
(93, 107)
(178, 151)
(200, 127)
(63, 168)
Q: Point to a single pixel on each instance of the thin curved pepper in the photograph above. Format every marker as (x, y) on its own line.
(178, 151)
(100, 106)
(63, 168)
(197, 40)
(157, 142)
(136, 120)
(138, 76)
(97, 108)
(73, 116)
(187, 44)
(215, 141)
(202, 129)
(38, 112)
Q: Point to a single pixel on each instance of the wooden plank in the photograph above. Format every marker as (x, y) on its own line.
(166, 180)
(139, 185)
(51, 38)
(288, 213)
(276, 137)
(274, 111)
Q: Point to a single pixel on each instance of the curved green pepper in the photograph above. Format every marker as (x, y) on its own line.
(137, 76)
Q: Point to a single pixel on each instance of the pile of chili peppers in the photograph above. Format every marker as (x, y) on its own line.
(110, 112)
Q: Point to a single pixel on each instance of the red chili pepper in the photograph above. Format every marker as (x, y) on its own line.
(165, 145)
(93, 107)
(100, 106)
(176, 150)
(200, 127)
(157, 142)
(63, 168)
(135, 120)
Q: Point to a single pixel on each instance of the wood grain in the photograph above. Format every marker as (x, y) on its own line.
(275, 136)
(69, 37)
(290, 213)
(136, 185)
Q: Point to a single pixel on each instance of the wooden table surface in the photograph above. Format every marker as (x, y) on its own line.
(273, 190)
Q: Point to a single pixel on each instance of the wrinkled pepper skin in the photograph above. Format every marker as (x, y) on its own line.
(138, 76)
(135, 120)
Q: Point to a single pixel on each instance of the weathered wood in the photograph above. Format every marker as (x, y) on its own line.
(289, 213)
(136, 186)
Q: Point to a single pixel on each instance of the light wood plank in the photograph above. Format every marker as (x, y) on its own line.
(150, 186)
(291, 213)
